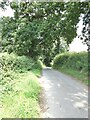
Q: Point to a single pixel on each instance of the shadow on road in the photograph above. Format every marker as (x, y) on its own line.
(64, 97)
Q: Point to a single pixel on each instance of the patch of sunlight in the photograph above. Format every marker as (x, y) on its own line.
(80, 104)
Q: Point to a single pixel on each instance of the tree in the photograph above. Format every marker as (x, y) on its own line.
(42, 29)
(8, 31)
(85, 36)
(3, 4)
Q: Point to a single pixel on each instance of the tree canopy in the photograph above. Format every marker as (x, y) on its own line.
(42, 29)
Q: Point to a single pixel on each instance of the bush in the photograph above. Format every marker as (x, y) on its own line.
(76, 61)
(11, 65)
(19, 84)
(16, 63)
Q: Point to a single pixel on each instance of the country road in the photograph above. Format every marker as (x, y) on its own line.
(64, 97)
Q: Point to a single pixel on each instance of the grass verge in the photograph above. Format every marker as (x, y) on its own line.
(19, 85)
(23, 101)
(82, 76)
(37, 72)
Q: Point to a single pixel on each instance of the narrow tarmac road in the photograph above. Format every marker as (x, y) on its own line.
(65, 97)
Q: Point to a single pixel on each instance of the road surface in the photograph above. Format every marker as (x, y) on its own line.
(64, 96)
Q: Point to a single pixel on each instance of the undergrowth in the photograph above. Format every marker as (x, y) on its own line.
(19, 86)
(74, 64)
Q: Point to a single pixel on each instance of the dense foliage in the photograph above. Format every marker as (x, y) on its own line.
(72, 61)
(19, 84)
(41, 29)
(78, 61)
(12, 63)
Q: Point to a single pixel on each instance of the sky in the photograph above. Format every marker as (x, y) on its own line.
(75, 46)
